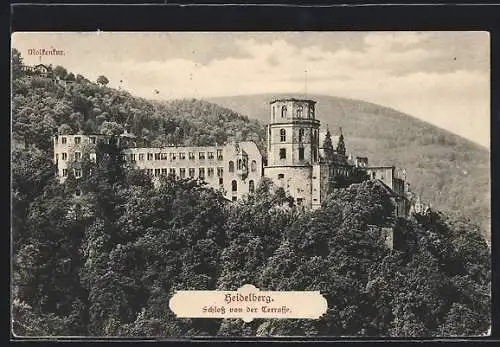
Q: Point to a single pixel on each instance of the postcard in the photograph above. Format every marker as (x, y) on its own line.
(228, 184)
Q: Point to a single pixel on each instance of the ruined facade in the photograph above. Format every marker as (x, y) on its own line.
(296, 159)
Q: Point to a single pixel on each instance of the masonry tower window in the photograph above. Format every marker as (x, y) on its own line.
(299, 112)
(282, 153)
(282, 135)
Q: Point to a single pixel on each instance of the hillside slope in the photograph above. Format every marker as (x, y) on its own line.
(448, 171)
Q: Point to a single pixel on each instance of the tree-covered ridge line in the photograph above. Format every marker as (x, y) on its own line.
(107, 262)
(41, 107)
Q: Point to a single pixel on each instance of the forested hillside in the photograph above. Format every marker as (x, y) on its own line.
(42, 106)
(448, 171)
(107, 262)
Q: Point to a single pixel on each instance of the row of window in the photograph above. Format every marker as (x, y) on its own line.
(301, 135)
(76, 156)
(77, 140)
(201, 175)
(210, 172)
(76, 172)
(242, 165)
(299, 112)
(172, 156)
(283, 153)
(283, 135)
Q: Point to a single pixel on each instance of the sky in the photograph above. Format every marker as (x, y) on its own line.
(440, 77)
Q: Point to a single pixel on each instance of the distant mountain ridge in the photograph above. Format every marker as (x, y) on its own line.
(448, 171)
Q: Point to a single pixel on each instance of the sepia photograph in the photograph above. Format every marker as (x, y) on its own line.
(258, 184)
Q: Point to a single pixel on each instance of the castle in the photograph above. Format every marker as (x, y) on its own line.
(295, 159)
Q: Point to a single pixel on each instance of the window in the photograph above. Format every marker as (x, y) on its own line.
(253, 166)
(149, 172)
(78, 140)
(141, 156)
(92, 140)
(210, 155)
(182, 173)
(182, 156)
(221, 181)
(234, 186)
(231, 166)
(220, 172)
(281, 176)
(299, 112)
(282, 135)
(171, 171)
(201, 155)
(191, 172)
(251, 186)
(132, 157)
(191, 155)
(63, 140)
(172, 156)
(274, 112)
(219, 154)
(301, 153)
(78, 192)
(282, 153)
(234, 198)
(283, 111)
(65, 172)
(210, 171)
(78, 173)
(163, 156)
(157, 172)
(124, 157)
(157, 156)
(150, 156)
(164, 171)
(57, 157)
(201, 173)
(78, 156)
(301, 135)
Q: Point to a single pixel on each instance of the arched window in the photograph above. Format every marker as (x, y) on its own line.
(239, 164)
(231, 166)
(283, 111)
(299, 112)
(251, 186)
(282, 135)
(234, 186)
(301, 135)
(254, 166)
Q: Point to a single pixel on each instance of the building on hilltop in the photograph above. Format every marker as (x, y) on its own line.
(234, 168)
(38, 70)
(295, 159)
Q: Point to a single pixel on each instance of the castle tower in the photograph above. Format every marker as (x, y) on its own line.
(293, 147)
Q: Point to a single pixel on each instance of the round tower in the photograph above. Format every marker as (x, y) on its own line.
(293, 133)
(293, 146)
